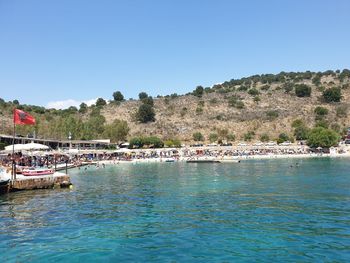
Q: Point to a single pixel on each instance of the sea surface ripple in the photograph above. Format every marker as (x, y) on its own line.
(255, 211)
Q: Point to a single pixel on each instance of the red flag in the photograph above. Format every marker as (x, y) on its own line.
(21, 117)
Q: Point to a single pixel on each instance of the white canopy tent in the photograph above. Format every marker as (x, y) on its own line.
(27, 147)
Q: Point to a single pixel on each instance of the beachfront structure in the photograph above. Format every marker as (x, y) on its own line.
(60, 144)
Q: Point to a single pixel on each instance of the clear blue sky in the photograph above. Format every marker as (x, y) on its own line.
(84, 49)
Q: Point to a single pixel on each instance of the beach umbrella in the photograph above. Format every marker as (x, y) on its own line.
(73, 151)
(27, 147)
(123, 150)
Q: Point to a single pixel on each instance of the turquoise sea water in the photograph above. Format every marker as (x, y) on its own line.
(254, 211)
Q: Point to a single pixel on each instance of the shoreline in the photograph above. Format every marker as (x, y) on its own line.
(234, 159)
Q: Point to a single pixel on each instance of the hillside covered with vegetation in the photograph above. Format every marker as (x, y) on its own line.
(285, 106)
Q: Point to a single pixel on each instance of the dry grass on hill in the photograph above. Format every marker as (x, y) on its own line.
(182, 116)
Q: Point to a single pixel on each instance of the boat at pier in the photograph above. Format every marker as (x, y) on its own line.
(37, 172)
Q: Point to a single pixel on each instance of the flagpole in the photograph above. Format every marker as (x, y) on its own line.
(13, 175)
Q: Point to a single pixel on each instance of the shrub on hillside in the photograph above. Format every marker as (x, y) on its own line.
(199, 110)
(239, 104)
(297, 123)
(316, 80)
(321, 111)
(148, 100)
(257, 99)
(213, 137)
(249, 136)
(322, 123)
(272, 114)
(197, 136)
(302, 90)
(213, 101)
(253, 92)
(342, 111)
(172, 143)
(243, 88)
(265, 87)
(332, 94)
(183, 111)
(235, 101)
(264, 137)
(174, 96)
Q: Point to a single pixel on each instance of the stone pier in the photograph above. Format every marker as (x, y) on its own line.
(57, 180)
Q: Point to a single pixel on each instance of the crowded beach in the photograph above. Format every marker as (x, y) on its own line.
(58, 159)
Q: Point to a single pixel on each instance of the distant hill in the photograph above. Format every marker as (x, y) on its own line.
(252, 108)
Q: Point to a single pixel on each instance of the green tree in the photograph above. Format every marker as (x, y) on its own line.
(94, 127)
(2, 146)
(100, 102)
(322, 123)
(148, 100)
(198, 91)
(117, 131)
(143, 95)
(118, 96)
(135, 142)
(83, 108)
(72, 110)
(145, 113)
(302, 90)
(301, 132)
(283, 137)
(332, 94)
(197, 136)
(153, 142)
(297, 123)
(172, 143)
(321, 137)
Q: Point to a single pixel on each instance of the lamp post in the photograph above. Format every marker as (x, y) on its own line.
(70, 139)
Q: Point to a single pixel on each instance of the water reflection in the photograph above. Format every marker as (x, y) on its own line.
(268, 210)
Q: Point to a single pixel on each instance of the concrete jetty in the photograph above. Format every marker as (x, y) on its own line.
(56, 180)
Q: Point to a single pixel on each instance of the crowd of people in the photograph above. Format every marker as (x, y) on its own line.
(175, 154)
